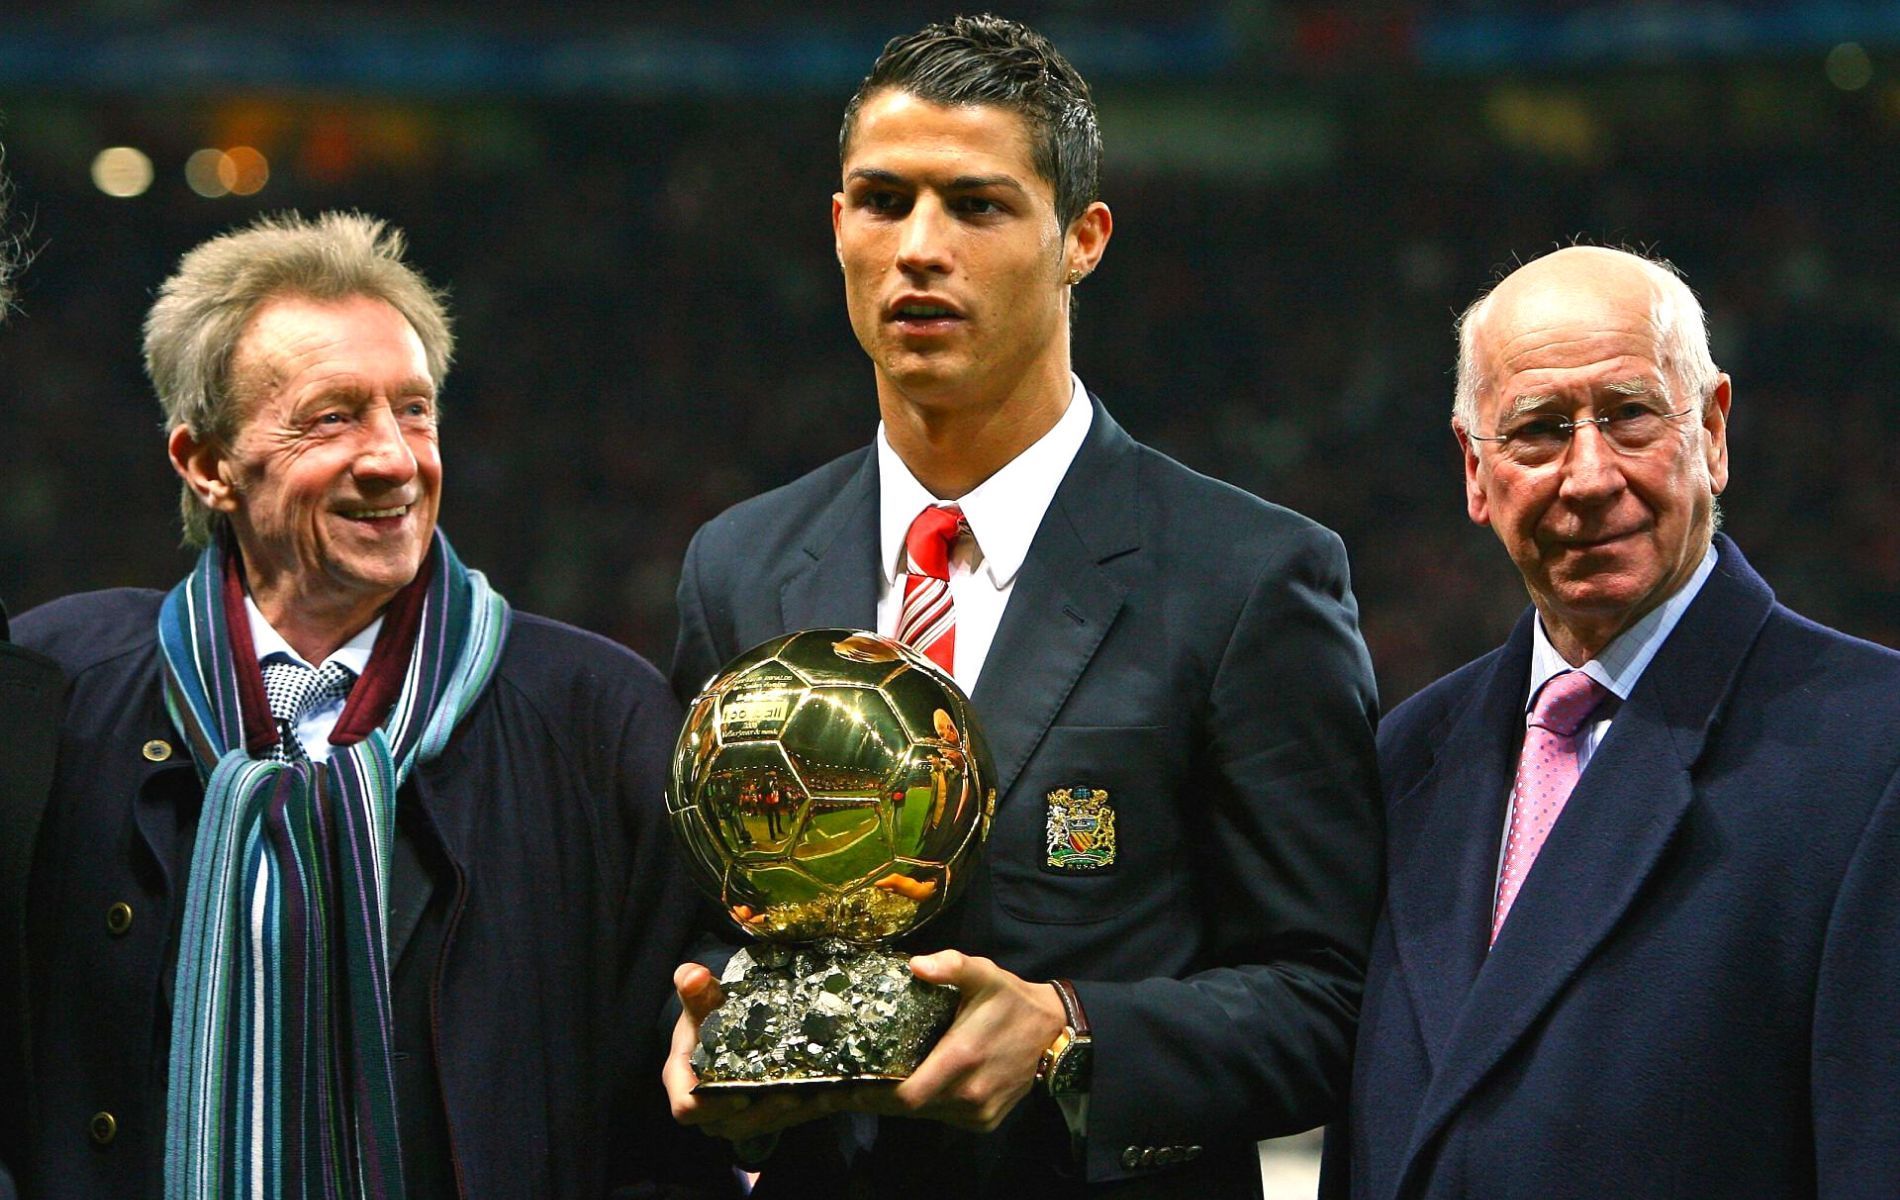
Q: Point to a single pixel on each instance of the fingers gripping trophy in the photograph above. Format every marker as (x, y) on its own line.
(832, 791)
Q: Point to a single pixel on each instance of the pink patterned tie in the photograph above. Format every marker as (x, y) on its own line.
(1546, 773)
(928, 622)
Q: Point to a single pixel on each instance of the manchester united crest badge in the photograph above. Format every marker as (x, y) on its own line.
(1080, 835)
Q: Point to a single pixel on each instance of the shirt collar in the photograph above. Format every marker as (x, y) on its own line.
(1621, 663)
(1003, 511)
(353, 654)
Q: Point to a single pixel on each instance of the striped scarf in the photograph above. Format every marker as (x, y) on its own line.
(281, 1083)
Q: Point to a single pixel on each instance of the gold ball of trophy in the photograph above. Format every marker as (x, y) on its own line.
(831, 790)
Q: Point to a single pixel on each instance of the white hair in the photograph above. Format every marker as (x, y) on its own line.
(1684, 339)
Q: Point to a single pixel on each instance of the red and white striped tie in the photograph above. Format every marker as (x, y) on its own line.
(928, 622)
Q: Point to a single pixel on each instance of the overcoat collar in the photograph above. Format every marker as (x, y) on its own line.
(1061, 608)
(1474, 1007)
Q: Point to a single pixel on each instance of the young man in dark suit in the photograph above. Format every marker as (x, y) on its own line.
(1177, 656)
(1639, 937)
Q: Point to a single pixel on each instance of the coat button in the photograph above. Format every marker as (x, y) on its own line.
(156, 750)
(102, 1128)
(118, 918)
(1131, 1158)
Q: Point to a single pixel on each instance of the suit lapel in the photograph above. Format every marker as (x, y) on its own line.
(836, 585)
(1443, 844)
(411, 884)
(1063, 602)
(1613, 831)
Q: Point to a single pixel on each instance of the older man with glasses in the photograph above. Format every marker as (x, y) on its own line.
(1638, 938)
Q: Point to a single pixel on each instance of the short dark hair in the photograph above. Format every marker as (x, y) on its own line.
(991, 60)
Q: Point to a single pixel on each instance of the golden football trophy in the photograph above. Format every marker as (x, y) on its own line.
(831, 790)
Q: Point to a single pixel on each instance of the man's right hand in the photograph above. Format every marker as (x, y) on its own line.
(739, 1116)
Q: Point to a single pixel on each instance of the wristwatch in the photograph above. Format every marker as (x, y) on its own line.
(1065, 1066)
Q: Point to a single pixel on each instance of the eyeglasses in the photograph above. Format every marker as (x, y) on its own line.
(1538, 438)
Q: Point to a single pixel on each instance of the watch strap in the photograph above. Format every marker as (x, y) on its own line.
(1057, 1071)
(1078, 1017)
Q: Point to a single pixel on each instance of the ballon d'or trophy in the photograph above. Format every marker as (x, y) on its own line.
(831, 790)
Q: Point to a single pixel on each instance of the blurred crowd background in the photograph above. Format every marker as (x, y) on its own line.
(628, 203)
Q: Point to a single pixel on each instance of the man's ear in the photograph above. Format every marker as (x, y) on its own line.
(205, 468)
(1715, 426)
(1087, 238)
(1477, 504)
(837, 214)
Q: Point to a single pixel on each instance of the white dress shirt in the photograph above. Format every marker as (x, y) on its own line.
(1003, 513)
(1617, 667)
(313, 729)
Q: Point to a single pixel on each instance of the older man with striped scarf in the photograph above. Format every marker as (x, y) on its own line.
(354, 882)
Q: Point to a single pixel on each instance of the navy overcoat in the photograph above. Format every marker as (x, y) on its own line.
(1697, 993)
(563, 912)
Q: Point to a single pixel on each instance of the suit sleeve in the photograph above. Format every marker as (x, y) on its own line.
(1258, 1043)
(696, 655)
(1335, 1160)
(32, 698)
(657, 923)
(1856, 1093)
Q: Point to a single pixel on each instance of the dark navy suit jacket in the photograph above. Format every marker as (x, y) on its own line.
(1697, 993)
(1194, 651)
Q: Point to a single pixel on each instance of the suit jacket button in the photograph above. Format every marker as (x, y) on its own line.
(1131, 1158)
(118, 918)
(1190, 1154)
(102, 1128)
(156, 750)
(1165, 1156)
(1147, 1156)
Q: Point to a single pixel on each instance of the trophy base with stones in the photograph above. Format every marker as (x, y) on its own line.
(819, 1013)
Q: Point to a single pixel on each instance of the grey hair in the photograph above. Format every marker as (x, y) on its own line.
(6, 256)
(1685, 338)
(12, 253)
(202, 311)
